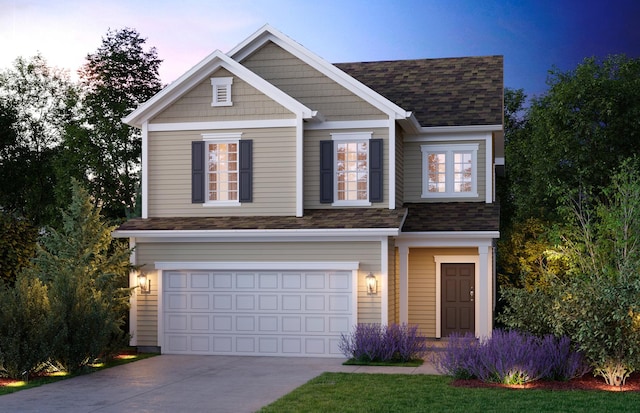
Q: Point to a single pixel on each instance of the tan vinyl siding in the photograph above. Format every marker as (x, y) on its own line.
(422, 285)
(248, 104)
(413, 172)
(146, 333)
(308, 85)
(392, 282)
(312, 165)
(274, 166)
(366, 253)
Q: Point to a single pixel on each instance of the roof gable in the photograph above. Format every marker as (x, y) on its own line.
(270, 34)
(462, 91)
(197, 74)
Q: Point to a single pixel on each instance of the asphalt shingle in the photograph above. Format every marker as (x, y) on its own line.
(458, 91)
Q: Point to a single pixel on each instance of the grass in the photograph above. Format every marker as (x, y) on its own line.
(410, 363)
(348, 392)
(11, 386)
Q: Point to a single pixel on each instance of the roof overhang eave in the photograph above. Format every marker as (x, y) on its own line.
(257, 233)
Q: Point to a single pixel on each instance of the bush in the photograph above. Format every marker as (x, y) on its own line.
(25, 333)
(379, 343)
(510, 357)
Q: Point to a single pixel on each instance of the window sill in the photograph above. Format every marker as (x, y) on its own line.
(351, 203)
(222, 204)
(449, 195)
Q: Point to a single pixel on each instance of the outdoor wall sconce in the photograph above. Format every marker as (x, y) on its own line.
(144, 283)
(372, 284)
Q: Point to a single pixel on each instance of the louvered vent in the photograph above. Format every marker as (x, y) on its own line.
(221, 91)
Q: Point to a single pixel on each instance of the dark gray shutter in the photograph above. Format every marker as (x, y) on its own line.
(197, 172)
(376, 193)
(245, 169)
(326, 172)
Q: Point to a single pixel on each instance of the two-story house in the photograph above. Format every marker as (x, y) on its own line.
(285, 199)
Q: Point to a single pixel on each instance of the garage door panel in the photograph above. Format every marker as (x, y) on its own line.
(256, 313)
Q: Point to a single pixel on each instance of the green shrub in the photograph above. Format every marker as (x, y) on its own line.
(25, 333)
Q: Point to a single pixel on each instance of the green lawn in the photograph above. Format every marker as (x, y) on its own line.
(349, 392)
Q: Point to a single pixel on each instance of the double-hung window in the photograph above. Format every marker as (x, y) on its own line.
(449, 171)
(351, 169)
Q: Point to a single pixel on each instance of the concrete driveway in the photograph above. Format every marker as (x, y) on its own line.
(170, 383)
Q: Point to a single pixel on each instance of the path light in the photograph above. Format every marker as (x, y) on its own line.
(372, 284)
(144, 283)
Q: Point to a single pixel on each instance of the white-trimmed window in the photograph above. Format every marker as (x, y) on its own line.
(221, 91)
(449, 171)
(351, 160)
(222, 174)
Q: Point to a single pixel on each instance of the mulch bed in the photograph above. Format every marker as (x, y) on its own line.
(586, 382)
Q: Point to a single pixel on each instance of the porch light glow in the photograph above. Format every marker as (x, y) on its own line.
(144, 283)
(372, 284)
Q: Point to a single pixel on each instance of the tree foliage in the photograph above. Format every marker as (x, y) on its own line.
(37, 102)
(598, 305)
(18, 239)
(86, 274)
(117, 78)
(576, 134)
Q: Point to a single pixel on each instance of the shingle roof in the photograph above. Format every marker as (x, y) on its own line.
(452, 216)
(313, 219)
(440, 92)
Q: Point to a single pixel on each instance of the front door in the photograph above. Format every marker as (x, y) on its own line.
(458, 296)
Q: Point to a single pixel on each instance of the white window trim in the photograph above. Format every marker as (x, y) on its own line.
(232, 137)
(218, 83)
(355, 137)
(450, 150)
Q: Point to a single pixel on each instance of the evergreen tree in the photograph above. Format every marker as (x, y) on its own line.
(86, 272)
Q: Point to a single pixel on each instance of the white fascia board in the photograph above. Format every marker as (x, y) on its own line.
(197, 74)
(258, 234)
(269, 33)
(429, 130)
(447, 238)
(258, 265)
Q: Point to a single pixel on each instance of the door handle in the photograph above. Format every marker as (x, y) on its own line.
(471, 294)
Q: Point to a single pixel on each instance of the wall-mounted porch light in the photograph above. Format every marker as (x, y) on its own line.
(372, 284)
(144, 283)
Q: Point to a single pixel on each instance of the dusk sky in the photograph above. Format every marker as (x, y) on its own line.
(532, 35)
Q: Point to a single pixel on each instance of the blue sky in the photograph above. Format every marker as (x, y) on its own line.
(533, 36)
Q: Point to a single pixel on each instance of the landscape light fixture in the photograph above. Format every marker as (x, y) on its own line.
(144, 283)
(372, 284)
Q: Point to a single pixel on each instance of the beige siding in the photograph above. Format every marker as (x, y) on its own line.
(422, 285)
(392, 294)
(366, 253)
(413, 172)
(248, 104)
(308, 85)
(312, 165)
(273, 174)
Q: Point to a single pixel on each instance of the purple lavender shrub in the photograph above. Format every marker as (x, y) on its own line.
(458, 358)
(375, 342)
(563, 362)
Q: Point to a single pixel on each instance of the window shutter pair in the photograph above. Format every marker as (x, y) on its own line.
(245, 171)
(376, 193)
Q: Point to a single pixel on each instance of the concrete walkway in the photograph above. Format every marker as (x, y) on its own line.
(172, 383)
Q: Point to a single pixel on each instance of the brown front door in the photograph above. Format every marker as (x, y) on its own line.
(457, 299)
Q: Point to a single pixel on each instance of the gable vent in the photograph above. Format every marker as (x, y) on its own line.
(221, 91)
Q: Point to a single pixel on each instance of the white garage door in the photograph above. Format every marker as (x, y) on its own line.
(275, 313)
